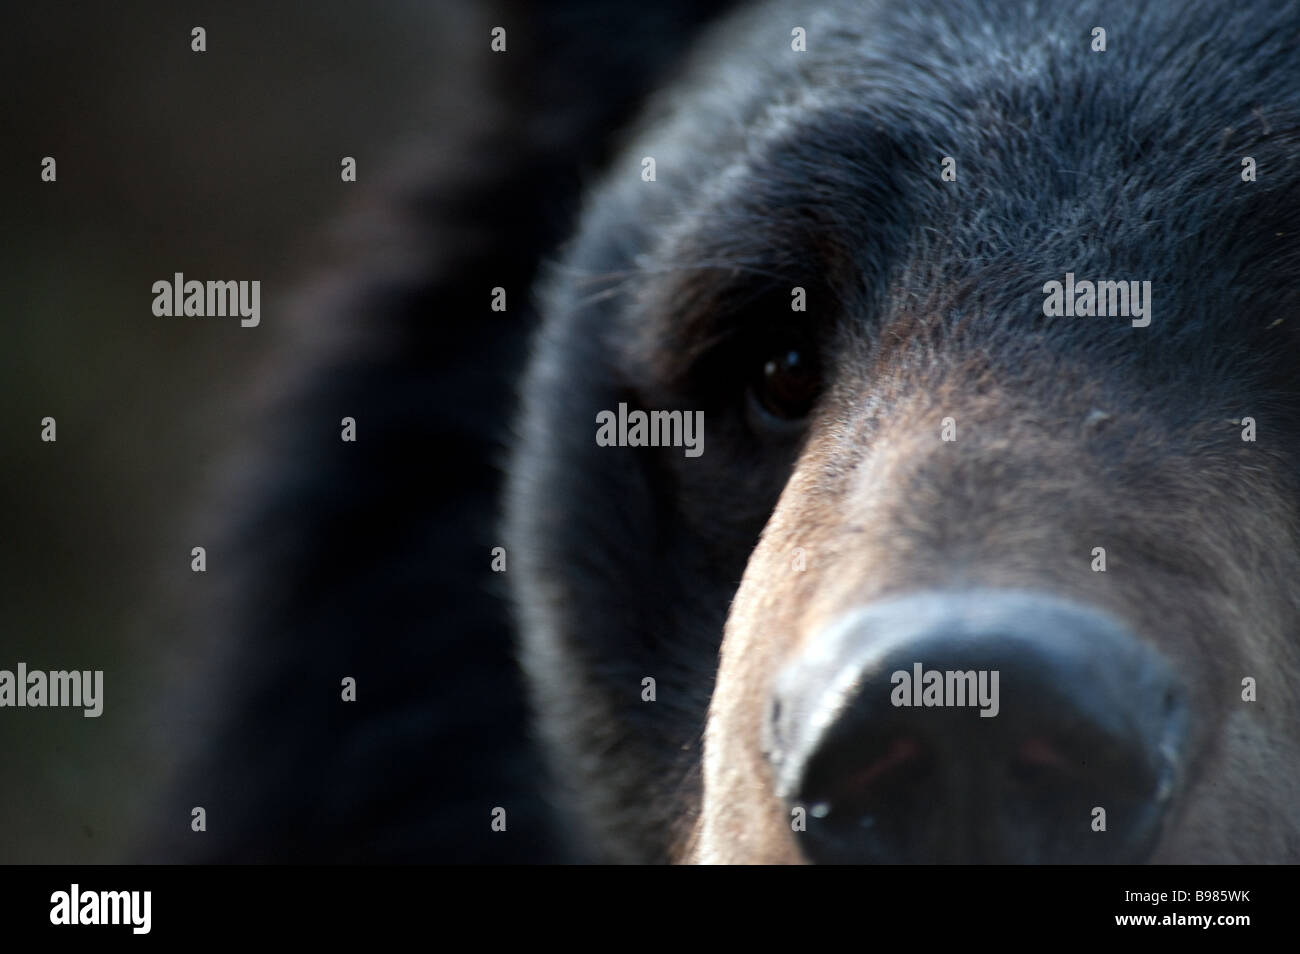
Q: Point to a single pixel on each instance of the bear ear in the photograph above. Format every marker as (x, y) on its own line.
(357, 652)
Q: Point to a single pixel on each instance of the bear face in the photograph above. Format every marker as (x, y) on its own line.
(921, 469)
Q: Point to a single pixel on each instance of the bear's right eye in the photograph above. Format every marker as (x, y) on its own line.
(787, 384)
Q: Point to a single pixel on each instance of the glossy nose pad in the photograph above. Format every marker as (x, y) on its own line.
(980, 726)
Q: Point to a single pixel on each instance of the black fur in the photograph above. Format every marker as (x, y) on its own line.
(372, 559)
(775, 169)
(821, 169)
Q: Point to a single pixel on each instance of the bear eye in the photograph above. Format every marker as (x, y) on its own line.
(788, 383)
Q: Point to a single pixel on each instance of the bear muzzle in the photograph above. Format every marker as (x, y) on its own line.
(984, 725)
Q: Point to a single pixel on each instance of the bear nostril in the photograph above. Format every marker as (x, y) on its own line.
(851, 793)
(1040, 753)
(1039, 764)
(900, 754)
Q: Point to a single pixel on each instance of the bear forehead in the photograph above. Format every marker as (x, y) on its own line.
(776, 170)
(851, 133)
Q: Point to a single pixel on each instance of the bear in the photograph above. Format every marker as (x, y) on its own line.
(921, 465)
(896, 459)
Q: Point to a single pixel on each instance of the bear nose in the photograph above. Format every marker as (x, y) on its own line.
(977, 726)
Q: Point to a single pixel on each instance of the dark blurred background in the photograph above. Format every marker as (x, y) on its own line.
(221, 165)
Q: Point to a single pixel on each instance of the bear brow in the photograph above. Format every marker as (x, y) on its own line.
(699, 307)
(711, 281)
(817, 208)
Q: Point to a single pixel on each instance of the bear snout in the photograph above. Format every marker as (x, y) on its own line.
(987, 725)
